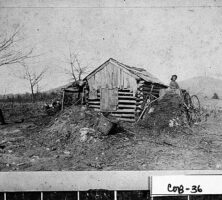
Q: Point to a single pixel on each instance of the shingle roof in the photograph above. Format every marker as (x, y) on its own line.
(140, 72)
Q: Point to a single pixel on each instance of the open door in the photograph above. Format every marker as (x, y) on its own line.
(108, 99)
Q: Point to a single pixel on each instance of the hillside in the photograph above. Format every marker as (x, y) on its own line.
(203, 86)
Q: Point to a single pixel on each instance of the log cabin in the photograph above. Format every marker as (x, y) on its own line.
(120, 89)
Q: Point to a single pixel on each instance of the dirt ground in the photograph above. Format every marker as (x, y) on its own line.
(44, 143)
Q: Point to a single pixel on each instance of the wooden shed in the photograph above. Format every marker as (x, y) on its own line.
(70, 94)
(120, 89)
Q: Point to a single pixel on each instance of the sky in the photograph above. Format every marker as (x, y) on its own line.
(163, 37)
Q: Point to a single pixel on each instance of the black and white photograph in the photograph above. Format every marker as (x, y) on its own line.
(110, 85)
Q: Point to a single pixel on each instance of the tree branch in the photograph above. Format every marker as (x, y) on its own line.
(9, 54)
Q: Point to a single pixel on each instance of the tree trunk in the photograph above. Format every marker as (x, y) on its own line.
(33, 95)
(2, 120)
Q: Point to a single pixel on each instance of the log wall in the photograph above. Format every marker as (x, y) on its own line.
(126, 105)
(129, 105)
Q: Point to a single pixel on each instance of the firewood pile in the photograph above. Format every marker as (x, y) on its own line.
(167, 112)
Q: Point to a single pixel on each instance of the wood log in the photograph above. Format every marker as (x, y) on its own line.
(94, 102)
(123, 115)
(124, 111)
(125, 93)
(126, 119)
(126, 106)
(131, 101)
(94, 106)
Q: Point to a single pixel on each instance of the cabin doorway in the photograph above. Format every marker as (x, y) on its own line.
(108, 99)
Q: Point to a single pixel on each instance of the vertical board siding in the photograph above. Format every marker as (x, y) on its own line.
(105, 78)
(108, 99)
(121, 104)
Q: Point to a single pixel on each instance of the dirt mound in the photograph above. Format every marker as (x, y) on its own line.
(167, 112)
(65, 127)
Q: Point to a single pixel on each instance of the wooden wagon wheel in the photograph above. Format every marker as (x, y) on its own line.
(195, 103)
(195, 107)
(187, 100)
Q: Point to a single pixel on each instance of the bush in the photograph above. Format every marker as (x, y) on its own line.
(215, 96)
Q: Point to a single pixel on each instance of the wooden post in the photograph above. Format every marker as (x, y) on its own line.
(63, 96)
(2, 119)
(115, 195)
(41, 195)
(78, 195)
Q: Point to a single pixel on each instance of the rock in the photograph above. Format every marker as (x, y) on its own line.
(67, 152)
(83, 134)
(58, 141)
(31, 153)
(66, 156)
(171, 123)
(105, 125)
(35, 157)
(218, 166)
(20, 164)
(53, 148)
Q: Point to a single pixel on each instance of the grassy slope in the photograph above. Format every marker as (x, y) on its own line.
(203, 86)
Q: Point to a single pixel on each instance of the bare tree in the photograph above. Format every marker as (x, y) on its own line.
(9, 51)
(32, 77)
(76, 69)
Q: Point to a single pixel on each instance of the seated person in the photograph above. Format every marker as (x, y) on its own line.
(173, 84)
(173, 88)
